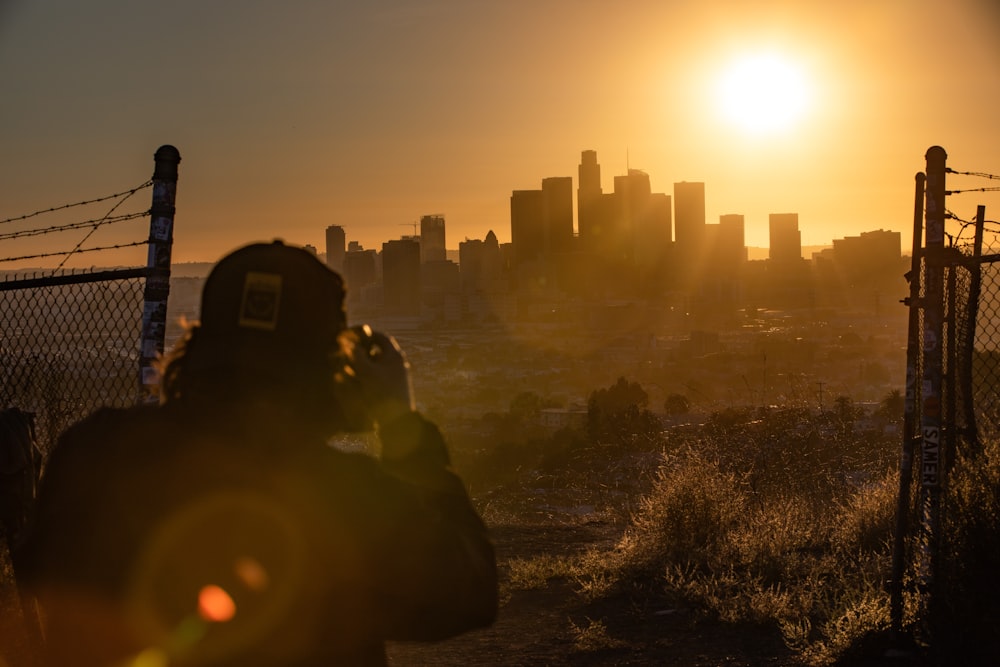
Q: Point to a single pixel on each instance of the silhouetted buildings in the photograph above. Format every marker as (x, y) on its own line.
(362, 281)
(527, 225)
(432, 239)
(588, 198)
(401, 278)
(336, 241)
(861, 271)
(636, 253)
(440, 291)
(785, 238)
(689, 217)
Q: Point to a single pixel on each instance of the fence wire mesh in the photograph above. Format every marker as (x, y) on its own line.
(984, 373)
(970, 415)
(69, 347)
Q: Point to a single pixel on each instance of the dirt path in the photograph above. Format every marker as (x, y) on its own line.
(536, 627)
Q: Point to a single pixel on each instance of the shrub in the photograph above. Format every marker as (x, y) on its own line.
(812, 564)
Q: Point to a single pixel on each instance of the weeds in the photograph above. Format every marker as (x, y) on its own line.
(739, 536)
(593, 637)
(534, 573)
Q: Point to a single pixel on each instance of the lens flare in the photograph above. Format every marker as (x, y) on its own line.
(215, 604)
(251, 573)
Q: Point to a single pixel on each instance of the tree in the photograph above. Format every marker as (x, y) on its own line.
(843, 408)
(619, 414)
(677, 404)
(891, 406)
(845, 413)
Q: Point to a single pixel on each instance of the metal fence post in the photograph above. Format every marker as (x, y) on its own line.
(931, 469)
(971, 435)
(909, 414)
(161, 237)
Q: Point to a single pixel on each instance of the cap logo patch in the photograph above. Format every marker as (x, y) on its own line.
(261, 299)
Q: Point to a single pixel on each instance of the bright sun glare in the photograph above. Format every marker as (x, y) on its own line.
(762, 93)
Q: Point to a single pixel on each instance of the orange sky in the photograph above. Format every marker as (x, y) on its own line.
(291, 116)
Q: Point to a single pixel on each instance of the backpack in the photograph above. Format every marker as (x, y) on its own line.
(20, 473)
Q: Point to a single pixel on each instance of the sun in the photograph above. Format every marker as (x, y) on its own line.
(762, 93)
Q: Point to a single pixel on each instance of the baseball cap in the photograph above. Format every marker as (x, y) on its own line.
(273, 299)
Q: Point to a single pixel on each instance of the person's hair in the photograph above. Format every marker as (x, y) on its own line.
(301, 383)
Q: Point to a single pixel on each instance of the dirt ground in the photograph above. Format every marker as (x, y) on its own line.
(541, 626)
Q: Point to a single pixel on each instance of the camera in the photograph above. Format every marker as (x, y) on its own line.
(354, 416)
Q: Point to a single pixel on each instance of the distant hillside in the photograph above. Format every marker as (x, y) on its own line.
(190, 269)
(807, 251)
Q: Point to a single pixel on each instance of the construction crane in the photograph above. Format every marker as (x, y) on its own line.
(411, 224)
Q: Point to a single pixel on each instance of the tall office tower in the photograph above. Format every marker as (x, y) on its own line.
(785, 238)
(440, 289)
(493, 262)
(480, 263)
(335, 240)
(732, 239)
(359, 270)
(651, 234)
(689, 217)
(432, 245)
(557, 210)
(660, 220)
(632, 192)
(588, 195)
(470, 264)
(527, 225)
(401, 278)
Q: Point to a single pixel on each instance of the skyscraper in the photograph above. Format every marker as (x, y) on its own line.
(632, 192)
(359, 270)
(785, 238)
(689, 216)
(651, 235)
(480, 263)
(335, 242)
(401, 277)
(432, 239)
(588, 196)
(731, 240)
(557, 213)
(527, 225)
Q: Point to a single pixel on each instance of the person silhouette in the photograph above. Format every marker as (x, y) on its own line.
(219, 527)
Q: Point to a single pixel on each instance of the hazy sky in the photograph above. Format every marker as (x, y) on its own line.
(291, 115)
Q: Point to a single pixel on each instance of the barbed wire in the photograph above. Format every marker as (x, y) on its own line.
(74, 225)
(948, 214)
(965, 224)
(83, 250)
(97, 225)
(127, 193)
(956, 192)
(980, 174)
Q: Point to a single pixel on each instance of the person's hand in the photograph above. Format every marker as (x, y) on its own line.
(381, 371)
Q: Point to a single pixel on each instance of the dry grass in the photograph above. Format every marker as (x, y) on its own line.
(811, 561)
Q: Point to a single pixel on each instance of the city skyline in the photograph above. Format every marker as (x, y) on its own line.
(291, 119)
(539, 231)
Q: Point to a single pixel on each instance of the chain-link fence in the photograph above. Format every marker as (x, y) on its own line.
(72, 340)
(953, 405)
(69, 344)
(984, 366)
